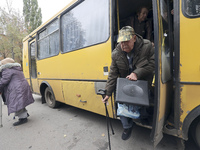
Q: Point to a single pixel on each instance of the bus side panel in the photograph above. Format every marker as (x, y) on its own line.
(70, 74)
(189, 63)
(82, 94)
(190, 99)
(189, 49)
(87, 63)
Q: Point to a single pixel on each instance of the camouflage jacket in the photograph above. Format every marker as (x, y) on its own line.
(143, 63)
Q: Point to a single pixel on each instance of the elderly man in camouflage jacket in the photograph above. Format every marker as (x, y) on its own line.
(133, 58)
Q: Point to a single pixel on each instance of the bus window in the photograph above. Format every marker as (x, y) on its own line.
(48, 41)
(191, 8)
(85, 25)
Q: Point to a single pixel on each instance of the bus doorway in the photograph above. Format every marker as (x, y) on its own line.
(33, 68)
(159, 20)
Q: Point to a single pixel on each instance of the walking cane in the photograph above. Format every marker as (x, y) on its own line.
(103, 93)
(1, 125)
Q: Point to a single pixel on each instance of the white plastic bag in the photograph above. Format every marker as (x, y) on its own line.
(129, 111)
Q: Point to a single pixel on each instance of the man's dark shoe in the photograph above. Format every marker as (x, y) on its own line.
(126, 134)
(20, 121)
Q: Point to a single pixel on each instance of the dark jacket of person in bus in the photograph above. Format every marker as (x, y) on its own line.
(133, 58)
(141, 24)
(16, 90)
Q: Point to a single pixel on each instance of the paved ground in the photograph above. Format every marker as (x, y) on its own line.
(69, 128)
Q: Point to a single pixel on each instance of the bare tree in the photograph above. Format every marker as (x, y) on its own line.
(12, 31)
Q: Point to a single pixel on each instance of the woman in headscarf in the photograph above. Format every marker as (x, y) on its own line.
(16, 90)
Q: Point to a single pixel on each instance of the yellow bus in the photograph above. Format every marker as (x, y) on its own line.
(67, 60)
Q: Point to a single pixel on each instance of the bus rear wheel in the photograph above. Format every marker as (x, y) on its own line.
(50, 99)
(196, 132)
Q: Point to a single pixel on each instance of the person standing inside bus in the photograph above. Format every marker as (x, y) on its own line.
(140, 23)
(16, 90)
(133, 58)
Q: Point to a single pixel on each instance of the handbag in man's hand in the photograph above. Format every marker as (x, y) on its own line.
(132, 92)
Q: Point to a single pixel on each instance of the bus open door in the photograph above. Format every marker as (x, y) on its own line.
(163, 70)
(33, 68)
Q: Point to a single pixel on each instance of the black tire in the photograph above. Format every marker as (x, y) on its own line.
(50, 99)
(196, 132)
